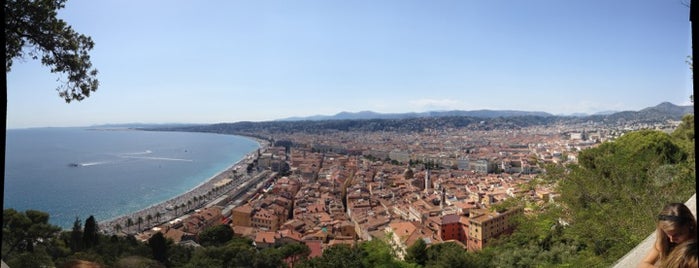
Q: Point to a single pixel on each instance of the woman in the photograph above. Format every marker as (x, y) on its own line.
(682, 256)
(676, 224)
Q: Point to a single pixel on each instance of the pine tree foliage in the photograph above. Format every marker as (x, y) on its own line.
(33, 30)
(76, 236)
(158, 245)
(607, 202)
(90, 236)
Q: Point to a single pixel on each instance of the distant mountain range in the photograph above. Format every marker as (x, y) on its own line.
(373, 115)
(664, 110)
(416, 122)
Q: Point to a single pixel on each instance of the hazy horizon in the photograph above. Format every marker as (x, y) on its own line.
(232, 61)
(108, 124)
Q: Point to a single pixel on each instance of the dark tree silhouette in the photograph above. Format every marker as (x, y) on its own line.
(139, 221)
(117, 228)
(76, 236)
(90, 236)
(216, 235)
(295, 253)
(33, 30)
(158, 245)
(129, 223)
(23, 231)
(417, 253)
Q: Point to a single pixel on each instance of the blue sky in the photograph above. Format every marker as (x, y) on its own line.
(180, 61)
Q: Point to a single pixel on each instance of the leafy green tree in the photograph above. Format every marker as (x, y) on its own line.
(684, 134)
(417, 253)
(507, 204)
(240, 252)
(448, 254)
(538, 240)
(111, 250)
(33, 30)
(24, 231)
(90, 236)
(268, 258)
(236, 253)
(158, 245)
(337, 256)
(76, 236)
(59, 246)
(137, 261)
(179, 256)
(377, 253)
(30, 259)
(216, 235)
(201, 260)
(620, 184)
(295, 252)
(629, 158)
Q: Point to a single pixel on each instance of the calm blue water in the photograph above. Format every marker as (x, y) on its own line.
(119, 171)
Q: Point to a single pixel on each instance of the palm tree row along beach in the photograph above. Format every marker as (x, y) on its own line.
(178, 206)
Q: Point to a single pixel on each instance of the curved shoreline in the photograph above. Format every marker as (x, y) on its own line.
(165, 207)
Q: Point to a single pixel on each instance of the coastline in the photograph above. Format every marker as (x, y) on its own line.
(165, 208)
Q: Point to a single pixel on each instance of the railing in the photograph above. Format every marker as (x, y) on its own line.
(636, 255)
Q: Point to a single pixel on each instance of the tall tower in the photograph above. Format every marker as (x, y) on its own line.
(428, 184)
(444, 198)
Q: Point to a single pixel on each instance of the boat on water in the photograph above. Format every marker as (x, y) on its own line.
(73, 165)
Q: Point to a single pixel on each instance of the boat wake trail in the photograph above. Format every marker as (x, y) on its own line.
(159, 158)
(139, 153)
(87, 164)
(94, 163)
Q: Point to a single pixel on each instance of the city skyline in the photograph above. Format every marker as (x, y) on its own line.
(185, 62)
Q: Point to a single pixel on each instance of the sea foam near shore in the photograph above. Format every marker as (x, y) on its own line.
(39, 174)
(165, 208)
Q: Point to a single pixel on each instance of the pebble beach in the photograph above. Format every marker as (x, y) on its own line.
(165, 211)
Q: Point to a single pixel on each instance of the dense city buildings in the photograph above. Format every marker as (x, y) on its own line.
(436, 185)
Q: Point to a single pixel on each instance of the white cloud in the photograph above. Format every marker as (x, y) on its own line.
(588, 107)
(432, 104)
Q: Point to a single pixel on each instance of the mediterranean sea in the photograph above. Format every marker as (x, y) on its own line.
(78, 172)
